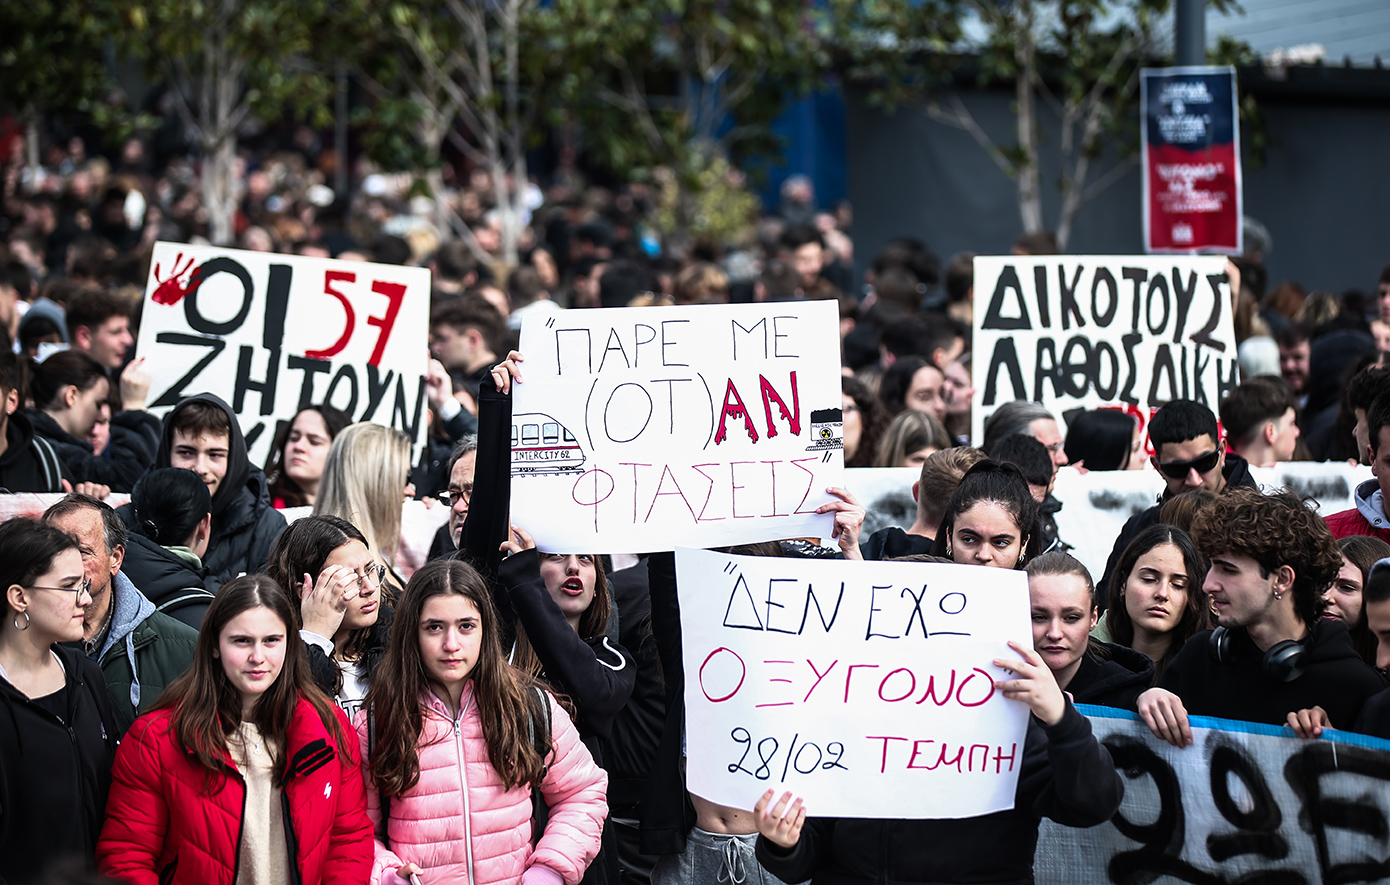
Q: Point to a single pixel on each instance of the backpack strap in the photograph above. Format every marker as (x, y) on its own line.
(48, 460)
(187, 595)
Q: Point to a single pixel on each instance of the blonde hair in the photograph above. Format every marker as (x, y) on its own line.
(363, 482)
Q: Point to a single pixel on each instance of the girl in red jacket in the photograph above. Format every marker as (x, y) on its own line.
(243, 775)
(451, 732)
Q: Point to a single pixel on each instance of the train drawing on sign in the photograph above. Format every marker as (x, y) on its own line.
(542, 445)
(827, 430)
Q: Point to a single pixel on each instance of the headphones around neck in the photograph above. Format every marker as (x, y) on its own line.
(1284, 662)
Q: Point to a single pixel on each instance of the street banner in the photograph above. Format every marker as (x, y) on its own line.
(1191, 155)
(867, 688)
(1244, 803)
(1092, 331)
(271, 333)
(710, 425)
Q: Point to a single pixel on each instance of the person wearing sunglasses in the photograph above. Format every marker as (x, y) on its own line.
(344, 603)
(57, 727)
(1189, 453)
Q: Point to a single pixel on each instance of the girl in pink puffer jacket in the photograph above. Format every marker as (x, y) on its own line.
(449, 742)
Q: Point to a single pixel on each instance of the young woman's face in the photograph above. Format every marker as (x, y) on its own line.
(852, 423)
(570, 578)
(986, 534)
(252, 650)
(451, 637)
(1343, 596)
(924, 392)
(86, 409)
(362, 610)
(1156, 590)
(306, 447)
(1063, 617)
(1137, 459)
(58, 599)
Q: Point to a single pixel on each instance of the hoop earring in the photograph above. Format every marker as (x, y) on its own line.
(26, 622)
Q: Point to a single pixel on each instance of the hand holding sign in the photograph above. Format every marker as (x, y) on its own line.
(780, 824)
(1033, 684)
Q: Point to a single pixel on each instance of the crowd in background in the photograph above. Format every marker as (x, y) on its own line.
(506, 714)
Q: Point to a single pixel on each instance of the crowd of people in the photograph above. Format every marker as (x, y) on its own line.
(194, 689)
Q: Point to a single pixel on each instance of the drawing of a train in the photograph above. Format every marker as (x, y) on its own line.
(540, 444)
(827, 430)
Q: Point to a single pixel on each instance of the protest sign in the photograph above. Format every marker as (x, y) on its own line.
(1191, 154)
(1078, 331)
(865, 687)
(1244, 803)
(272, 333)
(1095, 505)
(712, 424)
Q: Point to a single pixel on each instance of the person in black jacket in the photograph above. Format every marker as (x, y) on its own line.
(1273, 654)
(1156, 598)
(57, 727)
(1064, 613)
(28, 463)
(1188, 451)
(173, 521)
(201, 434)
(344, 616)
(68, 389)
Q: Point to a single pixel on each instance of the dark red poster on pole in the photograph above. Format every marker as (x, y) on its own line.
(1192, 182)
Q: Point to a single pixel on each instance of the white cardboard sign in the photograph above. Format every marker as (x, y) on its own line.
(867, 688)
(711, 425)
(272, 333)
(1086, 331)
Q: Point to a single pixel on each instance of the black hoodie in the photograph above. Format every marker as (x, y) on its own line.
(1237, 474)
(1335, 678)
(29, 464)
(1111, 676)
(134, 436)
(244, 525)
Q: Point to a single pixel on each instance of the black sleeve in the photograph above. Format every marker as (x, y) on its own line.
(486, 527)
(1078, 786)
(462, 424)
(134, 441)
(800, 862)
(666, 621)
(598, 678)
(324, 671)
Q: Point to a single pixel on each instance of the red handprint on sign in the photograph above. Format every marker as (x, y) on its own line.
(173, 288)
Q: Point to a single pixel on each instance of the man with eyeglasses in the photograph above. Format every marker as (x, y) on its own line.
(140, 650)
(462, 464)
(1189, 454)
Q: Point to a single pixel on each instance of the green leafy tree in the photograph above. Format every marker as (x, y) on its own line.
(685, 84)
(52, 61)
(461, 73)
(226, 60)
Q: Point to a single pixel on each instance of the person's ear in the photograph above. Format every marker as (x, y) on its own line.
(1283, 580)
(82, 338)
(70, 395)
(1271, 431)
(1095, 617)
(204, 527)
(12, 402)
(117, 558)
(915, 486)
(15, 597)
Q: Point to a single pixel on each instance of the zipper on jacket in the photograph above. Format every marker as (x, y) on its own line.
(463, 787)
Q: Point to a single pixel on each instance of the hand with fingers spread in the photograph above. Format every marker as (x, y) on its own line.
(1164, 714)
(1309, 723)
(323, 602)
(781, 823)
(849, 520)
(517, 541)
(1033, 684)
(507, 371)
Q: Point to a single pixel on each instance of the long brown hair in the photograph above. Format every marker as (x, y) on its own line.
(1196, 614)
(503, 696)
(207, 708)
(592, 624)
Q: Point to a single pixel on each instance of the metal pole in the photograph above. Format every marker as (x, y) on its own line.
(1189, 32)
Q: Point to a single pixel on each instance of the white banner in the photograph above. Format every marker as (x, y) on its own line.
(1244, 803)
(1085, 331)
(272, 333)
(1096, 505)
(711, 425)
(865, 687)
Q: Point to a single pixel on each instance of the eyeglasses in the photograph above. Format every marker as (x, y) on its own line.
(76, 589)
(1201, 464)
(450, 495)
(1058, 446)
(372, 574)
